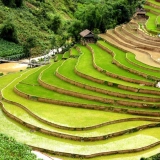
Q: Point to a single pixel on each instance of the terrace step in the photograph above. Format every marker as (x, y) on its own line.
(150, 25)
(135, 36)
(131, 58)
(144, 57)
(151, 9)
(97, 107)
(119, 57)
(110, 81)
(127, 74)
(82, 93)
(67, 74)
(155, 5)
(66, 55)
(141, 139)
(136, 42)
(24, 118)
(153, 55)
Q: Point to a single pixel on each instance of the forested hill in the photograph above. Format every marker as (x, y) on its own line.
(37, 25)
(34, 23)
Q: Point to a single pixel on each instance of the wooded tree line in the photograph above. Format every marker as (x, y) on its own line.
(13, 3)
(103, 14)
(95, 15)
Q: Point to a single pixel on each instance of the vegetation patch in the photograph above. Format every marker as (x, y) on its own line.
(11, 149)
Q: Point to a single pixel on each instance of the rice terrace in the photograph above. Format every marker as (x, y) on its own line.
(98, 101)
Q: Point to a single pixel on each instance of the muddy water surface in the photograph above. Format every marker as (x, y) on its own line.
(11, 67)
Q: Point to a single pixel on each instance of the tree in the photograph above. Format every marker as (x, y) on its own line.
(8, 32)
(13, 3)
(29, 44)
(74, 29)
(56, 23)
(18, 3)
(123, 13)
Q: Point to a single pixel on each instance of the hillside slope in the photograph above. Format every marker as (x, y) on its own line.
(34, 20)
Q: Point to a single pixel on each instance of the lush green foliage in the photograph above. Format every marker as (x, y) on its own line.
(54, 23)
(8, 32)
(36, 20)
(71, 116)
(13, 3)
(105, 14)
(12, 150)
(10, 50)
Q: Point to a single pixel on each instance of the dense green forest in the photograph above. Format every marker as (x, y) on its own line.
(40, 25)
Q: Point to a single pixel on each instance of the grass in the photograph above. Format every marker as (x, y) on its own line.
(61, 84)
(120, 56)
(74, 52)
(132, 58)
(158, 19)
(59, 56)
(26, 81)
(152, 8)
(24, 116)
(86, 149)
(104, 60)
(86, 67)
(39, 91)
(24, 135)
(154, 2)
(151, 23)
(66, 54)
(68, 67)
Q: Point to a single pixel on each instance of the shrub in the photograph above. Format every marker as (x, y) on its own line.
(8, 33)
(13, 3)
(10, 149)
(10, 50)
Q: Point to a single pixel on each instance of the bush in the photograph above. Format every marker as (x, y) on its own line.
(10, 149)
(10, 50)
(13, 3)
(8, 33)
(1, 74)
(158, 25)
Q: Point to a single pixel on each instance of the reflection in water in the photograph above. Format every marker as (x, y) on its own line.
(11, 67)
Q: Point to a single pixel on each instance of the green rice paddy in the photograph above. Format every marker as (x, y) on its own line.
(151, 23)
(132, 58)
(68, 113)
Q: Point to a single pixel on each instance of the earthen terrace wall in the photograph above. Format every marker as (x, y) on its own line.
(130, 70)
(118, 85)
(142, 45)
(95, 98)
(153, 5)
(126, 45)
(150, 69)
(122, 66)
(140, 39)
(88, 106)
(78, 138)
(96, 154)
(100, 90)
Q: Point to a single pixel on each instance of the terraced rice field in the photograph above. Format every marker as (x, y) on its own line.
(153, 13)
(93, 102)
